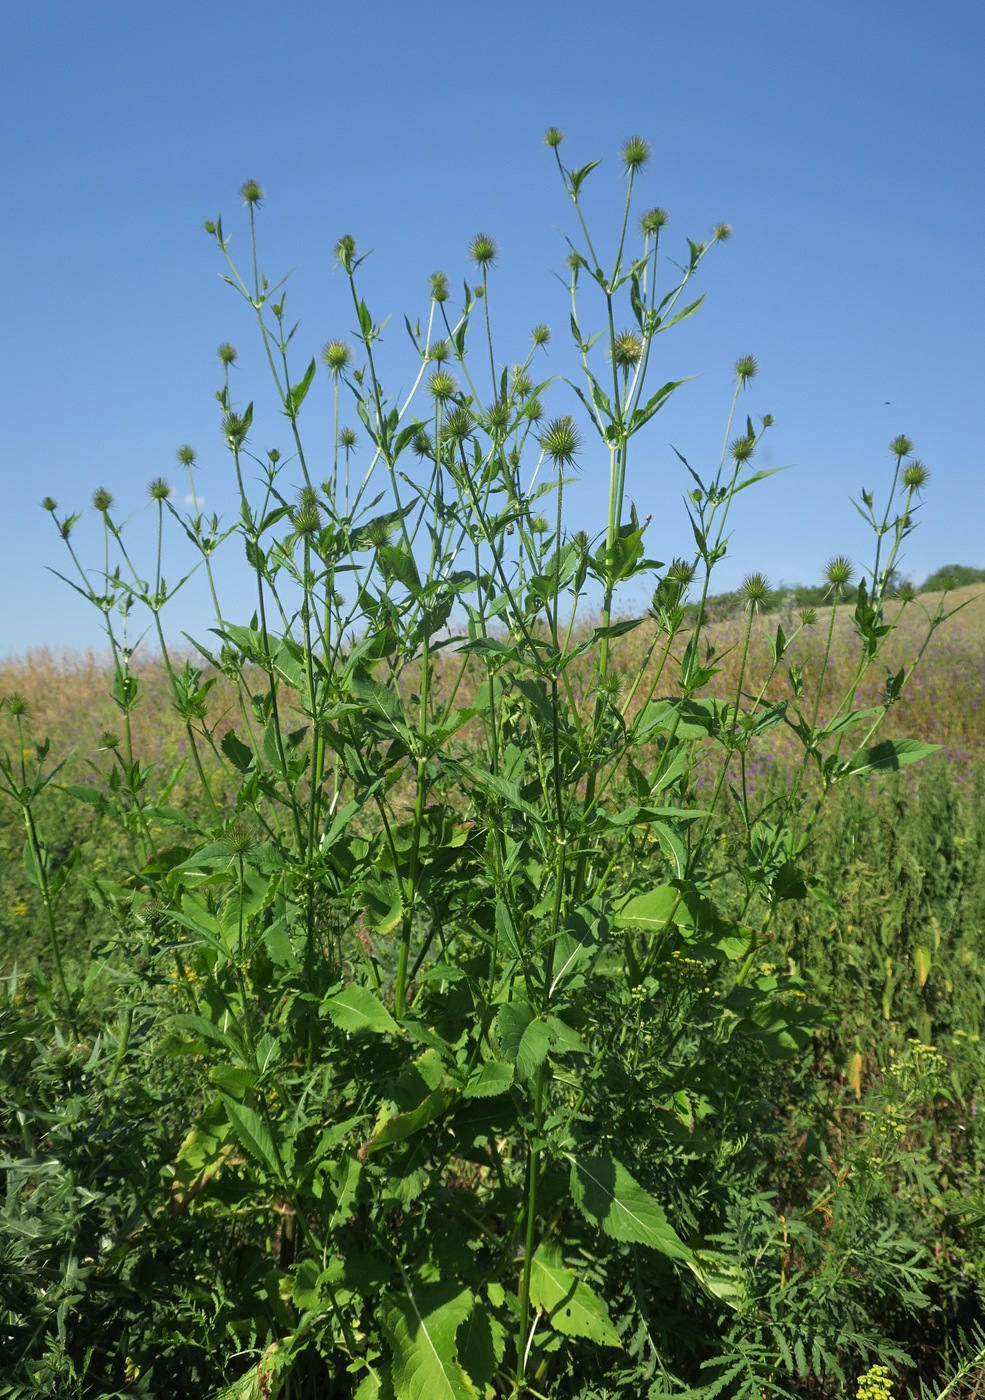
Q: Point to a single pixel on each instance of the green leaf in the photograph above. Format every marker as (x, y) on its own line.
(572, 1307)
(495, 1077)
(652, 911)
(356, 1009)
(481, 1345)
(298, 391)
(890, 755)
(610, 1198)
(420, 1326)
(523, 1039)
(253, 1134)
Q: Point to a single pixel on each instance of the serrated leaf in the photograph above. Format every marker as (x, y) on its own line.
(610, 1198)
(356, 1009)
(420, 1327)
(495, 1077)
(482, 1345)
(253, 1133)
(572, 1307)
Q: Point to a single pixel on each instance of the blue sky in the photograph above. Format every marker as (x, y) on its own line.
(843, 141)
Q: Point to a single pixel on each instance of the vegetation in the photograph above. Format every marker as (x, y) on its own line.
(432, 987)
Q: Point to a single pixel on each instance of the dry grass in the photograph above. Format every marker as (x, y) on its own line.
(69, 700)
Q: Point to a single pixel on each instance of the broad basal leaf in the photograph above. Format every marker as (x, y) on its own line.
(356, 1009)
(607, 1195)
(421, 1327)
(572, 1306)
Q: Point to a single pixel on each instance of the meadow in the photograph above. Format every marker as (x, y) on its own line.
(444, 985)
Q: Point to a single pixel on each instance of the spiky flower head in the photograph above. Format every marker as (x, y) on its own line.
(16, 704)
(439, 351)
(808, 616)
(109, 740)
(458, 424)
(186, 455)
(838, 573)
(916, 476)
(560, 441)
(345, 251)
(439, 286)
(540, 335)
(336, 355)
(742, 449)
(746, 368)
(755, 590)
(421, 444)
(101, 499)
(906, 592)
(273, 455)
(442, 386)
(540, 524)
(635, 154)
(682, 571)
(767, 420)
(627, 350)
(652, 221)
(251, 192)
(240, 839)
(723, 232)
(378, 532)
(227, 354)
(234, 428)
(348, 438)
(553, 137)
(498, 416)
(901, 446)
(482, 250)
(159, 490)
(49, 504)
(575, 261)
(534, 410)
(306, 518)
(521, 382)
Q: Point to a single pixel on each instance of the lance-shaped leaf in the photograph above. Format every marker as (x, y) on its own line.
(889, 755)
(610, 1198)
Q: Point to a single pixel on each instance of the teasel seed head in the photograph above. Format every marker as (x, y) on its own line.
(336, 355)
(746, 368)
(653, 220)
(635, 153)
(102, 499)
(482, 250)
(560, 441)
(251, 192)
(442, 386)
(755, 590)
(627, 350)
(916, 476)
(839, 573)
